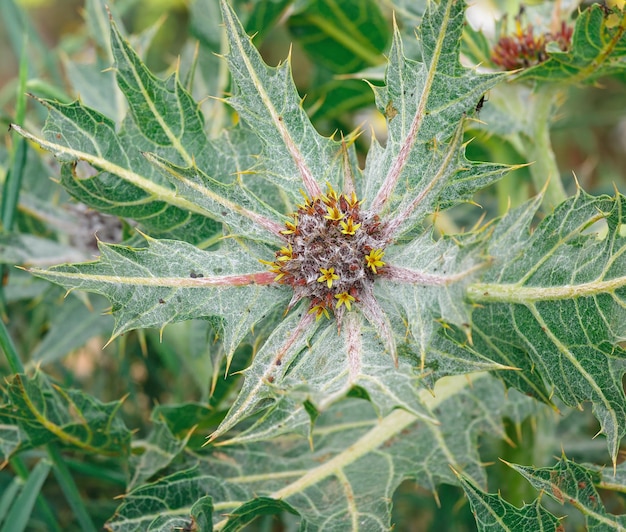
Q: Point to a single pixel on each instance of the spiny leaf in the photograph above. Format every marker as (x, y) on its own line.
(253, 509)
(107, 170)
(158, 451)
(45, 413)
(163, 111)
(345, 480)
(152, 512)
(315, 365)
(561, 292)
(320, 367)
(424, 108)
(233, 203)
(171, 281)
(266, 98)
(453, 262)
(99, 171)
(570, 482)
(494, 514)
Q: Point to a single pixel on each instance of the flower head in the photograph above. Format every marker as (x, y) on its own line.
(523, 49)
(332, 254)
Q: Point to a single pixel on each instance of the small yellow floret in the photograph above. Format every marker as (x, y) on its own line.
(291, 227)
(328, 275)
(344, 299)
(349, 227)
(275, 267)
(373, 259)
(334, 213)
(330, 196)
(319, 310)
(285, 254)
(353, 201)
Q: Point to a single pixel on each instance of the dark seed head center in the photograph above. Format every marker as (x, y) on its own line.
(333, 252)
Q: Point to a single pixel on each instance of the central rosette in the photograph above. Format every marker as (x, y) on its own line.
(333, 251)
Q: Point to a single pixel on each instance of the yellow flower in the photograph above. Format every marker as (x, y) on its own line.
(275, 267)
(334, 213)
(319, 310)
(344, 299)
(292, 227)
(349, 227)
(331, 196)
(307, 201)
(284, 254)
(328, 275)
(353, 201)
(373, 261)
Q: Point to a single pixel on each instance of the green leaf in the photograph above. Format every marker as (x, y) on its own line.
(158, 507)
(609, 479)
(155, 452)
(560, 289)
(596, 50)
(44, 412)
(570, 482)
(425, 110)
(101, 173)
(494, 514)
(257, 507)
(9, 494)
(266, 98)
(172, 281)
(345, 36)
(10, 436)
(345, 475)
(175, 123)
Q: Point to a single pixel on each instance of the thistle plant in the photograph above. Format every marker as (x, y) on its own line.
(382, 347)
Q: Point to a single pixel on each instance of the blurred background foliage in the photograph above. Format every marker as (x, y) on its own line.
(334, 46)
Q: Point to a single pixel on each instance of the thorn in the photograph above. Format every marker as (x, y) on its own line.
(113, 337)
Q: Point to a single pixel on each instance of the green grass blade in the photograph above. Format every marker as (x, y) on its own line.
(45, 512)
(68, 486)
(17, 518)
(7, 345)
(8, 496)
